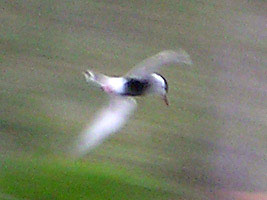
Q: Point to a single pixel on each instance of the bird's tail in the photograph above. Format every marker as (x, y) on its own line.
(96, 78)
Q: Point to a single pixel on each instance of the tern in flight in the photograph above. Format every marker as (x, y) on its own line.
(143, 79)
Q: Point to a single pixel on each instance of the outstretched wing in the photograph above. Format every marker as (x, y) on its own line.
(109, 120)
(153, 63)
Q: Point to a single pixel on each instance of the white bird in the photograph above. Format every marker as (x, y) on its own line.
(141, 80)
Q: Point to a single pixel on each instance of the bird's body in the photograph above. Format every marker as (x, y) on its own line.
(140, 81)
(128, 86)
(136, 87)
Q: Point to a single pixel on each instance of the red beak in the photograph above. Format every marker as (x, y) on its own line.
(166, 100)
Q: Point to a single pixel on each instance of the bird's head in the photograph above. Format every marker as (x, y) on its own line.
(160, 86)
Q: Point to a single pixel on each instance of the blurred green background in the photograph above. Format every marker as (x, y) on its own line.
(211, 138)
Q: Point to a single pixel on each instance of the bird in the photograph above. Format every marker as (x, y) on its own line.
(141, 80)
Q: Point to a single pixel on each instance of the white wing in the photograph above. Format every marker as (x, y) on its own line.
(109, 120)
(153, 63)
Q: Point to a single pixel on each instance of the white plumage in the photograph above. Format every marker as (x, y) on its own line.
(109, 120)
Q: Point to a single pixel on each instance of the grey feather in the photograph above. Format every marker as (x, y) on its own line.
(154, 63)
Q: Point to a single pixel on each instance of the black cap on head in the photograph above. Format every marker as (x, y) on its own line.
(165, 81)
